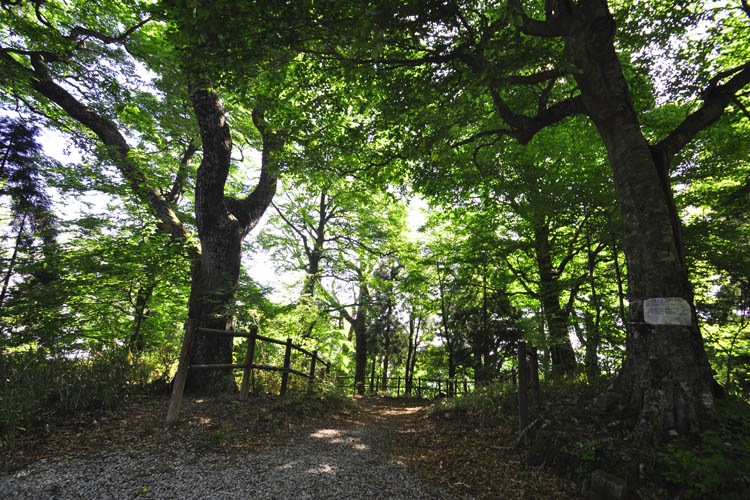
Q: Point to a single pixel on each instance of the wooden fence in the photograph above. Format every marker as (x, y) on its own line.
(191, 329)
(421, 387)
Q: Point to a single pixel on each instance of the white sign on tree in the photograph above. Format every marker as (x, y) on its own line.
(667, 311)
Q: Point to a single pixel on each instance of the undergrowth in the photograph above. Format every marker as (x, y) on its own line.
(37, 388)
(714, 463)
(575, 438)
(487, 403)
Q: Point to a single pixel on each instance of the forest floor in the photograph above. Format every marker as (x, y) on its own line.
(465, 457)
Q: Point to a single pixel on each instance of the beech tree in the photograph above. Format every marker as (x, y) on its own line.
(43, 72)
(529, 65)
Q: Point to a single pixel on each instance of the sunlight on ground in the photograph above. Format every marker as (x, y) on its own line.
(323, 469)
(335, 436)
(402, 411)
(325, 433)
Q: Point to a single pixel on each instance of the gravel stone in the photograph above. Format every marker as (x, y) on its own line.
(340, 462)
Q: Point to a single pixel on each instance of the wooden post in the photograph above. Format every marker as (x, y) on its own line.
(287, 362)
(398, 385)
(465, 391)
(523, 388)
(312, 373)
(178, 387)
(247, 371)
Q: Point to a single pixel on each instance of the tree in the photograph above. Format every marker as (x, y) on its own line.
(535, 64)
(21, 170)
(40, 65)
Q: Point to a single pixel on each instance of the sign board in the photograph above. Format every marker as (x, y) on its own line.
(667, 311)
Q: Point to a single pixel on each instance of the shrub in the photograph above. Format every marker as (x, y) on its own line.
(488, 401)
(711, 464)
(37, 388)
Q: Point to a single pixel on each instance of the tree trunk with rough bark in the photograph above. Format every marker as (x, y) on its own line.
(665, 382)
(222, 224)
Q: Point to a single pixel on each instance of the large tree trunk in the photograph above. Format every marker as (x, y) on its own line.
(222, 224)
(665, 381)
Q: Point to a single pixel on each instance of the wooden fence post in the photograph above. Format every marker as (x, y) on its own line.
(465, 391)
(398, 385)
(178, 387)
(287, 362)
(247, 371)
(312, 373)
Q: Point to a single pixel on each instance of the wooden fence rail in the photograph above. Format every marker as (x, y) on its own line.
(191, 329)
(421, 387)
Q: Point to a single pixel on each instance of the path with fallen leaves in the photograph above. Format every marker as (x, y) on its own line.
(452, 450)
(455, 450)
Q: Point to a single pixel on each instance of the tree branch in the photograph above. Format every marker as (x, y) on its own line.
(554, 26)
(293, 228)
(179, 181)
(83, 32)
(524, 128)
(716, 97)
(108, 133)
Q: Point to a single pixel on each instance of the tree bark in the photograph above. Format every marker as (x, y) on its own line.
(222, 224)
(360, 339)
(315, 253)
(137, 340)
(563, 356)
(523, 388)
(593, 331)
(665, 381)
(387, 346)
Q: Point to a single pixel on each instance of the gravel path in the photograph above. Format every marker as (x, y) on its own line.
(342, 461)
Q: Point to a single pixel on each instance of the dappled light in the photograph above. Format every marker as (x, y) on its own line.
(335, 436)
(405, 249)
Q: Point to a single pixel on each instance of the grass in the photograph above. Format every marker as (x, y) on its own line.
(37, 389)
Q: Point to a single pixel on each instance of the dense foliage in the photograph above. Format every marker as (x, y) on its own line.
(447, 181)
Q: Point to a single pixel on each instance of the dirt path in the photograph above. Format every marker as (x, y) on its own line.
(460, 452)
(377, 448)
